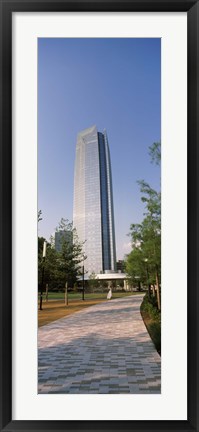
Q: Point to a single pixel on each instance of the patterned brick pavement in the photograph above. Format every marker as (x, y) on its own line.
(103, 349)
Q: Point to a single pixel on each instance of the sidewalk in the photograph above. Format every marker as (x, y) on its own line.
(103, 349)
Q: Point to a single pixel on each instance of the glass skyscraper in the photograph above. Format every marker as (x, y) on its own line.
(93, 215)
(60, 237)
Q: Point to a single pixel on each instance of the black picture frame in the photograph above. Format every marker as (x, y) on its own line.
(6, 9)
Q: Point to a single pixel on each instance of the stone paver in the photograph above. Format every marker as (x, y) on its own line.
(103, 349)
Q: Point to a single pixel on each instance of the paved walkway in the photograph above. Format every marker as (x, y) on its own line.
(103, 349)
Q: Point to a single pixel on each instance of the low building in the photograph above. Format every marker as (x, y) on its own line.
(111, 277)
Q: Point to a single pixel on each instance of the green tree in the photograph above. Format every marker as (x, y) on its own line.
(135, 267)
(71, 255)
(52, 272)
(93, 281)
(146, 237)
(39, 215)
(155, 153)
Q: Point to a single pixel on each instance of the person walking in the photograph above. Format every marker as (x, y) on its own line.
(109, 295)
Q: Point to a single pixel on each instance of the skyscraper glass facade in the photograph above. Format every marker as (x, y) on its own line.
(93, 215)
(61, 237)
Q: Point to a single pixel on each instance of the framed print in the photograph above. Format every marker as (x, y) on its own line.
(69, 70)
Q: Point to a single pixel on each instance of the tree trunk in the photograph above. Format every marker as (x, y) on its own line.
(158, 290)
(66, 294)
(46, 293)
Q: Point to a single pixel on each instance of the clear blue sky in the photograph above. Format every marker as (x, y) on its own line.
(115, 84)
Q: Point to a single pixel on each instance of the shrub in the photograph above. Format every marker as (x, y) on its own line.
(152, 319)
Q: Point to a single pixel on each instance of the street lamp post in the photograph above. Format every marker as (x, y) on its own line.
(83, 282)
(42, 279)
(147, 272)
(83, 274)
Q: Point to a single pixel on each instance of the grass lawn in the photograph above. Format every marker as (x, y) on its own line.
(55, 308)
